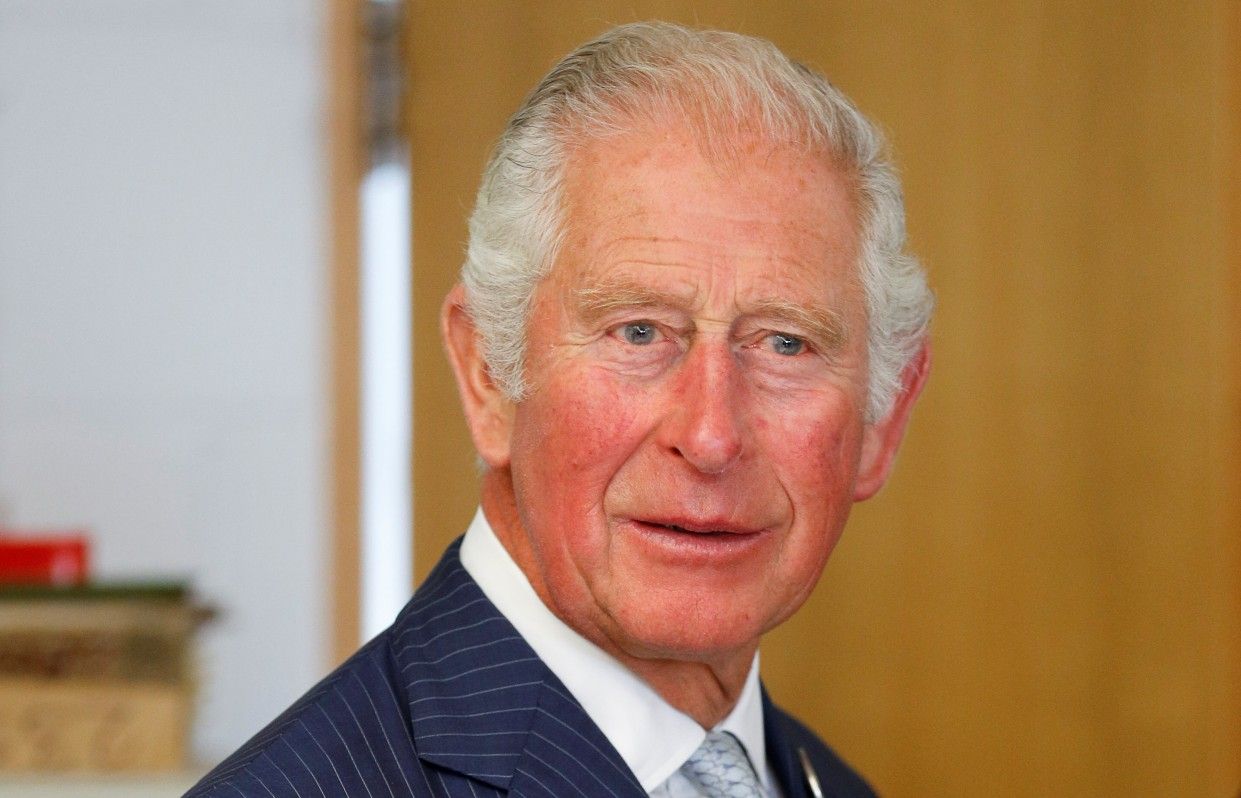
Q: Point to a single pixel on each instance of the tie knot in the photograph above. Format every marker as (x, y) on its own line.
(721, 769)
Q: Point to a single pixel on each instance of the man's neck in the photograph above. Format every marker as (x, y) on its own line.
(706, 690)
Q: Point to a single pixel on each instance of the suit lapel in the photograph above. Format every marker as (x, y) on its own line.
(566, 754)
(781, 753)
(481, 702)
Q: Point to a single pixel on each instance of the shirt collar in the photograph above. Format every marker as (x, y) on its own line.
(651, 736)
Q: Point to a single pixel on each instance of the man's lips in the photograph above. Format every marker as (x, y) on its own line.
(697, 542)
(700, 527)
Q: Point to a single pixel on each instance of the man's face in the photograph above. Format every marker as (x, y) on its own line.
(692, 440)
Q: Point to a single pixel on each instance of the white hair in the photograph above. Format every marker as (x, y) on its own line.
(715, 82)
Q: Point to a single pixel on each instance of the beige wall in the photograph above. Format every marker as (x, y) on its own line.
(1047, 598)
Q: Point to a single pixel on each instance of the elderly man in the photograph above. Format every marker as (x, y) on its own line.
(687, 339)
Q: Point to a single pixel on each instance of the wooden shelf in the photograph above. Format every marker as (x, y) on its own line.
(160, 785)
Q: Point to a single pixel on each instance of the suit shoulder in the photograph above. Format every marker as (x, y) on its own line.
(347, 734)
(837, 778)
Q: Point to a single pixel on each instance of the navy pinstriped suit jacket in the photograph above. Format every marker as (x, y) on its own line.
(451, 701)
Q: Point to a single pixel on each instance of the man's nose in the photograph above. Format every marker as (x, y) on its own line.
(704, 425)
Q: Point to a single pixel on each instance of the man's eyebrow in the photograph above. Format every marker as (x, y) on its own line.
(824, 327)
(594, 303)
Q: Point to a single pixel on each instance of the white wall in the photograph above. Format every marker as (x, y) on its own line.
(163, 314)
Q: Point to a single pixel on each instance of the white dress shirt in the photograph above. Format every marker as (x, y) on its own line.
(651, 736)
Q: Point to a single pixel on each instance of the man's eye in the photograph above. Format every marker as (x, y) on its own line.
(638, 333)
(783, 344)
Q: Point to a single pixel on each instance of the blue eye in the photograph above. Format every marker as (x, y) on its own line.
(638, 333)
(788, 345)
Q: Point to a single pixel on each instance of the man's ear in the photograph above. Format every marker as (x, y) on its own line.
(881, 439)
(488, 412)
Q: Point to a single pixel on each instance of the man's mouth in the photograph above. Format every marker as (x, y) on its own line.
(713, 542)
(701, 529)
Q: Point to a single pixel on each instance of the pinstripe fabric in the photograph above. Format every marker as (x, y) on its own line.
(450, 701)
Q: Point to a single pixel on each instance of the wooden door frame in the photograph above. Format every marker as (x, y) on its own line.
(346, 158)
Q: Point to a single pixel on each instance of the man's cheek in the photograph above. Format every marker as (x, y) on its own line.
(594, 427)
(819, 456)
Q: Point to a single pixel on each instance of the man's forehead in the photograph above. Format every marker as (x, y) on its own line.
(657, 193)
(697, 270)
(658, 144)
(649, 221)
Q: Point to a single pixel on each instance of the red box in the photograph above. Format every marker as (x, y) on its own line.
(43, 558)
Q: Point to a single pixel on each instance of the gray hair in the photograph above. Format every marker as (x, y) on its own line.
(716, 82)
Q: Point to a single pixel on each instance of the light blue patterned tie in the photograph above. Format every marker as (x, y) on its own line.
(721, 770)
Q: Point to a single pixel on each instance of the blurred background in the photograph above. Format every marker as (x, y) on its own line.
(225, 231)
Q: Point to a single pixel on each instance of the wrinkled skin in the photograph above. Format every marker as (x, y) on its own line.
(693, 438)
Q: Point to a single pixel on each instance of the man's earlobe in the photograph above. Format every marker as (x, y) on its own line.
(882, 439)
(488, 412)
